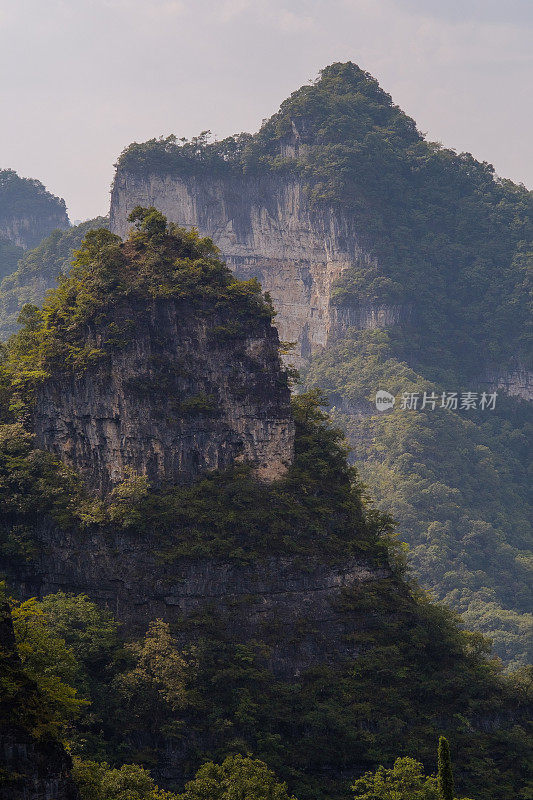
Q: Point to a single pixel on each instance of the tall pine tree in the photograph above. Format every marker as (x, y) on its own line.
(445, 775)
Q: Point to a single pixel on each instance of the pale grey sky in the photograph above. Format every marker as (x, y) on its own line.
(81, 79)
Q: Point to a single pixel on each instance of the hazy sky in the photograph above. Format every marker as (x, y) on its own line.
(81, 79)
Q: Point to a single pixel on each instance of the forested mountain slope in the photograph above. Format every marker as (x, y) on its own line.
(38, 270)
(394, 264)
(236, 612)
(33, 762)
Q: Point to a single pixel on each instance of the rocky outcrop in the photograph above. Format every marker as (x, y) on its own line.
(517, 382)
(31, 768)
(28, 212)
(174, 394)
(120, 570)
(266, 228)
(28, 230)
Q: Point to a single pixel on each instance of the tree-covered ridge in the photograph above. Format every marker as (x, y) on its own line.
(454, 481)
(157, 261)
(17, 192)
(25, 195)
(38, 270)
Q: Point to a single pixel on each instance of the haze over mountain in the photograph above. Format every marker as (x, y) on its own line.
(461, 69)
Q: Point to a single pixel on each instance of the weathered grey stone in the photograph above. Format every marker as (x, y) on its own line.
(28, 230)
(176, 398)
(266, 228)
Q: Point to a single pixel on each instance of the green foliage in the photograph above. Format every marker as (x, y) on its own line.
(454, 481)
(32, 483)
(405, 781)
(237, 778)
(445, 783)
(70, 652)
(90, 633)
(22, 706)
(98, 781)
(27, 199)
(48, 661)
(19, 195)
(38, 271)
(155, 688)
(180, 156)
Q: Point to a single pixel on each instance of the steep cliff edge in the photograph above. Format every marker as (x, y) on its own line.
(177, 398)
(267, 229)
(170, 379)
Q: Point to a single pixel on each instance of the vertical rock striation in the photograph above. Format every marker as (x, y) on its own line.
(180, 395)
(266, 228)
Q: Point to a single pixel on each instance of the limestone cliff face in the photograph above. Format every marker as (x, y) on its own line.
(516, 382)
(31, 768)
(266, 228)
(178, 395)
(28, 212)
(27, 230)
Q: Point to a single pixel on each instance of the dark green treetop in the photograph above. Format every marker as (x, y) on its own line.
(445, 781)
